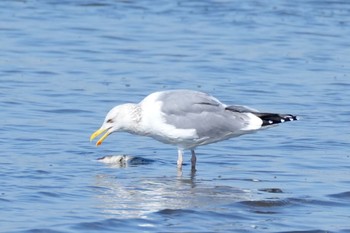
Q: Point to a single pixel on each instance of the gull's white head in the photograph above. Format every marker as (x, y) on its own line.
(119, 118)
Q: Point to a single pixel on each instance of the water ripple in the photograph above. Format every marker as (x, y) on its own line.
(65, 63)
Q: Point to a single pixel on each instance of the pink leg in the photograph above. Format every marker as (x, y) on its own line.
(179, 158)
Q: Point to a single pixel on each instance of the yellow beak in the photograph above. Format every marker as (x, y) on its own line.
(98, 132)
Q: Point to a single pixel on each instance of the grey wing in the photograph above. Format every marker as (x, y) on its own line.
(241, 108)
(202, 112)
(178, 102)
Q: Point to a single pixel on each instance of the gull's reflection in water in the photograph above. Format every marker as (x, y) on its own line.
(136, 191)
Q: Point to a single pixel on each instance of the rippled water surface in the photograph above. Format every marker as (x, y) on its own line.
(64, 64)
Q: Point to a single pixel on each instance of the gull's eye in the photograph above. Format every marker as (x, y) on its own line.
(110, 121)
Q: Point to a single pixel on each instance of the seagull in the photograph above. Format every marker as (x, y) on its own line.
(186, 119)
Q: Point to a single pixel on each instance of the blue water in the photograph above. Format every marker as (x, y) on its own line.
(64, 64)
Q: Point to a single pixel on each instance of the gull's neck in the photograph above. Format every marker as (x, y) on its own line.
(135, 116)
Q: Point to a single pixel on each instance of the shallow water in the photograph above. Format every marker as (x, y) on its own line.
(64, 64)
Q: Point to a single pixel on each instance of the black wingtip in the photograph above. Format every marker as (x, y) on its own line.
(273, 118)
